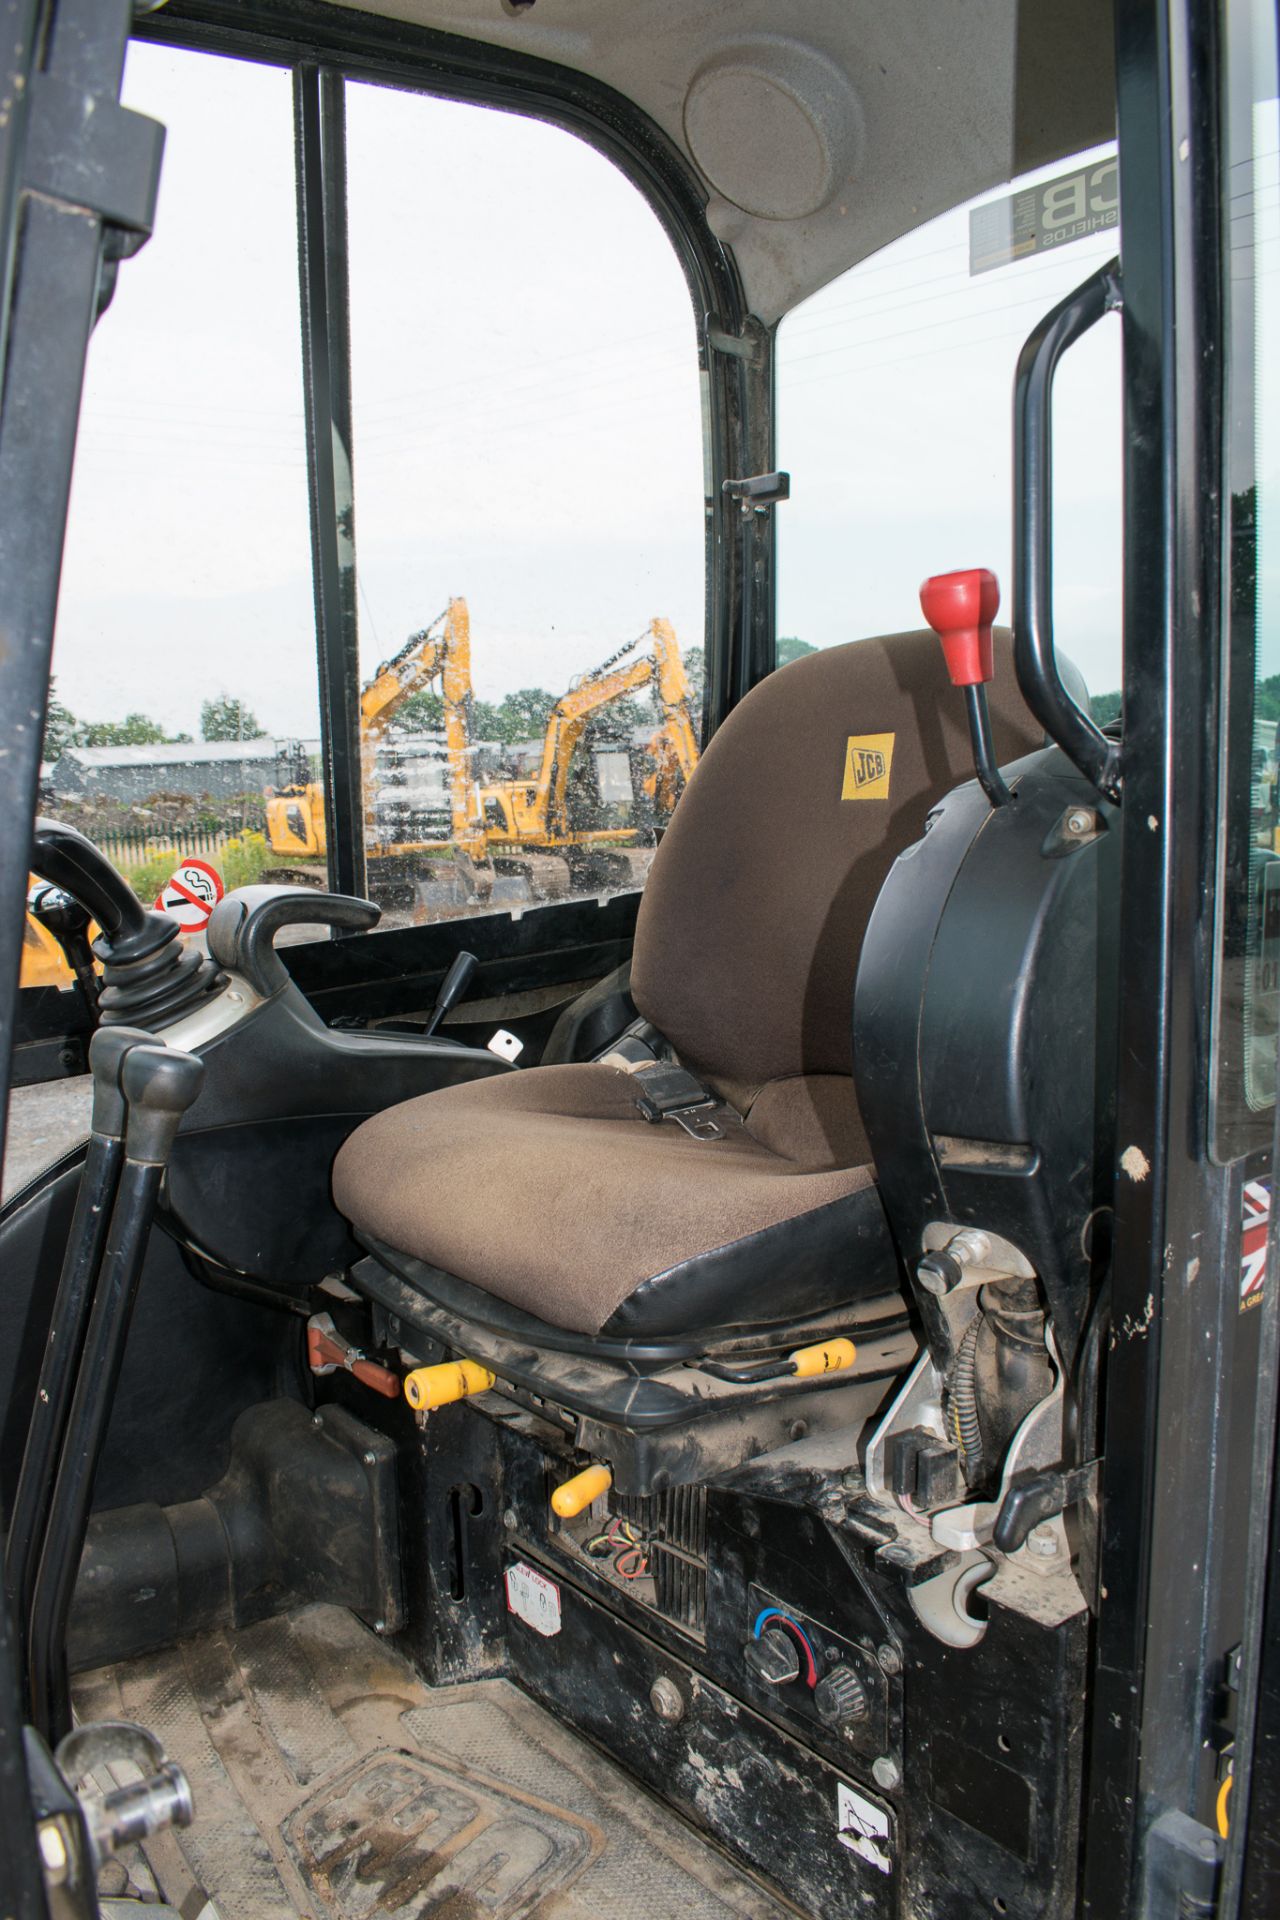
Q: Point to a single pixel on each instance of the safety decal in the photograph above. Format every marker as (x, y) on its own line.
(534, 1599)
(191, 894)
(1253, 1242)
(1074, 206)
(863, 1827)
(868, 761)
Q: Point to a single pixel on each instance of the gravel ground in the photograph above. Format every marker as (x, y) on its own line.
(43, 1123)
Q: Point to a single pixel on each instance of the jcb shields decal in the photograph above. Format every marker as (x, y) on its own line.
(868, 760)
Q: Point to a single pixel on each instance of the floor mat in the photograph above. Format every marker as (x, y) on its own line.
(330, 1784)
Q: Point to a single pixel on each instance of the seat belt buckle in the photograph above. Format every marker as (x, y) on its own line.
(700, 1122)
(666, 1092)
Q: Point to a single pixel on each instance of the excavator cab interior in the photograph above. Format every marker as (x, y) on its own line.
(743, 1382)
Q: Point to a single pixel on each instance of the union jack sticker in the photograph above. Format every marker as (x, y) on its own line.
(1253, 1242)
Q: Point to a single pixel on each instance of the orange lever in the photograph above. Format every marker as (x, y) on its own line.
(327, 1351)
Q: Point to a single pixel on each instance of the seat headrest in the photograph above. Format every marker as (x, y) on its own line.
(752, 919)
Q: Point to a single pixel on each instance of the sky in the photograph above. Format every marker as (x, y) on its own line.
(527, 417)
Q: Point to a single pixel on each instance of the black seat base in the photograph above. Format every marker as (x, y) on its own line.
(656, 1416)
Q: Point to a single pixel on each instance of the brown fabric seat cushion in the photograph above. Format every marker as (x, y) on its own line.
(752, 919)
(548, 1188)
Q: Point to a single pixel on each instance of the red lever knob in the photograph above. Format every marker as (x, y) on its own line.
(960, 608)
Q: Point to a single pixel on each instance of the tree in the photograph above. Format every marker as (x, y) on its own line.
(695, 671)
(1105, 707)
(135, 730)
(226, 718)
(524, 715)
(422, 712)
(789, 649)
(61, 728)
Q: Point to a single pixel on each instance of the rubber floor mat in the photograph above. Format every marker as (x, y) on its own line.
(330, 1784)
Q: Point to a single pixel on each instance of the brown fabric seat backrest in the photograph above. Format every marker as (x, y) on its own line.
(752, 919)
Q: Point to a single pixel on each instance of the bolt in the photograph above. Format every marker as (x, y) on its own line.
(511, 1520)
(53, 1852)
(884, 1772)
(890, 1659)
(370, 1458)
(1081, 821)
(798, 1429)
(666, 1699)
(1043, 1542)
(379, 1626)
(315, 1419)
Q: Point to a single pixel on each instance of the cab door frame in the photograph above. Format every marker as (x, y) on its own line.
(1181, 1375)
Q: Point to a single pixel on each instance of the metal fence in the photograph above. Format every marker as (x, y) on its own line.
(125, 850)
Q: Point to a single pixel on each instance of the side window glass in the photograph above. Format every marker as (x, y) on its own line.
(184, 659)
(895, 392)
(1247, 900)
(529, 512)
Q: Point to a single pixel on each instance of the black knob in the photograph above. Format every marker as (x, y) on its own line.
(840, 1697)
(773, 1657)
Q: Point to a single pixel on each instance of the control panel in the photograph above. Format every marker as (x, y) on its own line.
(804, 1671)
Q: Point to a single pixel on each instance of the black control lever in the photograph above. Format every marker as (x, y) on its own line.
(64, 917)
(452, 988)
(72, 1301)
(150, 978)
(159, 1084)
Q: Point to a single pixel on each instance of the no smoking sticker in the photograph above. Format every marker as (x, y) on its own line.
(191, 894)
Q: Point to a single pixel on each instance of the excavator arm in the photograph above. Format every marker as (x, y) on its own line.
(660, 667)
(441, 651)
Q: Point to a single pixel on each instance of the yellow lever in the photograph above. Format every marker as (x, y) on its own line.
(428, 1387)
(579, 1492)
(829, 1356)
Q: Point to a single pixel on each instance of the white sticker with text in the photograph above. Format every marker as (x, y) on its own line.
(533, 1599)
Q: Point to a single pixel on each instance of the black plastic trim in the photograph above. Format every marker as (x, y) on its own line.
(639, 1352)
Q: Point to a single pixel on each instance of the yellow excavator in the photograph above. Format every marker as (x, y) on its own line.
(449, 821)
(423, 800)
(538, 813)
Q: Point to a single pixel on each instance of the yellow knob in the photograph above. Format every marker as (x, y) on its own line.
(579, 1492)
(829, 1356)
(428, 1387)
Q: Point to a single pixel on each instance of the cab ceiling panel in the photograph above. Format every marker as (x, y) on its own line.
(822, 129)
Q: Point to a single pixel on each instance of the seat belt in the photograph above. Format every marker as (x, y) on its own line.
(668, 1091)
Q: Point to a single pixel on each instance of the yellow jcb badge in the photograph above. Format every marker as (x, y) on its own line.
(868, 758)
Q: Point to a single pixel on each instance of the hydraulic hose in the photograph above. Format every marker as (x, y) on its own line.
(962, 1393)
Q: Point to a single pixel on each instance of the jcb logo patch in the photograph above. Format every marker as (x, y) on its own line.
(867, 763)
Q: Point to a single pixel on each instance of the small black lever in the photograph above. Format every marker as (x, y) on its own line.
(1034, 1497)
(452, 988)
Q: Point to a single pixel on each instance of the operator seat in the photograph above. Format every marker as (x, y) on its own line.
(552, 1193)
